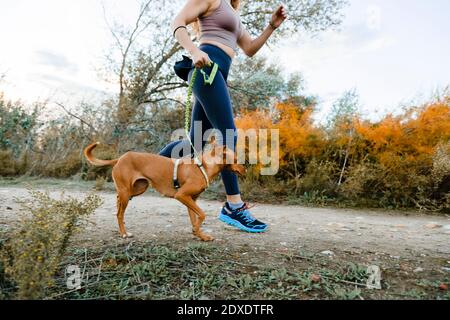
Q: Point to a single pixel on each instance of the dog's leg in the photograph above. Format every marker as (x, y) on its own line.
(122, 203)
(193, 217)
(191, 205)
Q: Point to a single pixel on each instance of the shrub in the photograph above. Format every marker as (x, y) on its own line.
(62, 167)
(7, 163)
(320, 177)
(33, 252)
(100, 183)
(398, 162)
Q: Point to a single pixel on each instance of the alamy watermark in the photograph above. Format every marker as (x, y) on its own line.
(374, 277)
(73, 277)
(259, 146)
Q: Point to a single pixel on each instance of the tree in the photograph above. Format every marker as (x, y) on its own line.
(344, 109)
(340, 125)
(310, 16)
(254, 84)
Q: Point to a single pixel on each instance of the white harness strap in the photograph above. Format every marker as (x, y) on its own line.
(202, 169)
(199, 164)
(176, 184)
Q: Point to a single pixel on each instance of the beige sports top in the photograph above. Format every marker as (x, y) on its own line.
(222, 25)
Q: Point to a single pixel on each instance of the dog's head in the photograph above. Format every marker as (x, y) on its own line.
(223, 156)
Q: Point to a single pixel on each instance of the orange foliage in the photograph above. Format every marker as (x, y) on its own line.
(298, 136)
(390, 161)
(410, 138)
(418, 131)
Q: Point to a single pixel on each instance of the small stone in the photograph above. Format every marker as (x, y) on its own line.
(433, 226)
(284, 244)
(315, 278)
(418, 270)
(328, 253)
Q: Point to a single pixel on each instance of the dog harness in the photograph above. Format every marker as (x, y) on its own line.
(199, 164)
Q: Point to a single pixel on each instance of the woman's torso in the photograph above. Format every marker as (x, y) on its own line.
(228, 50)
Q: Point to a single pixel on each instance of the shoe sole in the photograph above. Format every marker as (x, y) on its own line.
(239, 225)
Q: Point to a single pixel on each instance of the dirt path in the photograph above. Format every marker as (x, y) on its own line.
(352, 231)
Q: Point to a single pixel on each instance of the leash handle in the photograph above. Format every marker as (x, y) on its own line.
(209, 79)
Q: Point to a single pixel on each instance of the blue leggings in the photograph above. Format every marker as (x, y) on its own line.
(212, 107)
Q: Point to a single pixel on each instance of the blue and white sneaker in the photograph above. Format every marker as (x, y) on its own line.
(242, 219)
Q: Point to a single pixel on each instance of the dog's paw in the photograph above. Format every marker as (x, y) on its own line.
(207, 238)
(127, 235)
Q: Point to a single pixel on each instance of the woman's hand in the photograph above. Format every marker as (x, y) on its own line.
(200, 59)
(278, 17)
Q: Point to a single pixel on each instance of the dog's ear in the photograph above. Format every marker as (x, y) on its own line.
(213, 150)
(237, 168)
(213, 141)
(219, 150)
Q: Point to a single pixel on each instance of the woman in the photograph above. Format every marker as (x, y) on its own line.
(221, 32)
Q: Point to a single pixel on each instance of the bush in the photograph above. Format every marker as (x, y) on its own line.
(320, 177)
(62, 167)
(398, 162)
(33, 252)
(7, 163)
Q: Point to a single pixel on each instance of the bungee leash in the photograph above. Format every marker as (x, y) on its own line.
(209, 80)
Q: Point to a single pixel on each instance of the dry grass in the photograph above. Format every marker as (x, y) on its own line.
(32, 252)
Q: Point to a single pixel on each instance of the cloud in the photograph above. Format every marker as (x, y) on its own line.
(333, 47)
(68, 84)
(54, 60)
(378, 43)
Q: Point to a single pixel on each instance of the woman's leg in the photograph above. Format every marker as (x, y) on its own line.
(216, 102)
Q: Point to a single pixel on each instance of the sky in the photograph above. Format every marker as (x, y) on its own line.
(391, 52)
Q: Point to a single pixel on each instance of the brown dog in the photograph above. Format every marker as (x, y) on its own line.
(133, 172)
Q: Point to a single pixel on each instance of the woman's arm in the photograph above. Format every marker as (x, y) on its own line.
(190, 12)
(252, 46)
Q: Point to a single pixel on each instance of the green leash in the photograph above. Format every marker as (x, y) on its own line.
(208, 79)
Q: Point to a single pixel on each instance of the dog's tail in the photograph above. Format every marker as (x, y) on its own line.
(94, 161)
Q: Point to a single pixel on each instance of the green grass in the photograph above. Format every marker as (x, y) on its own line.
(150, 270)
